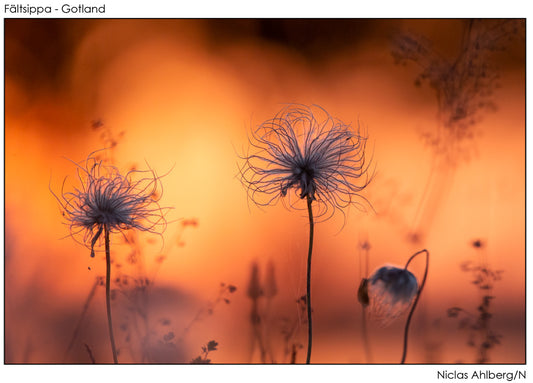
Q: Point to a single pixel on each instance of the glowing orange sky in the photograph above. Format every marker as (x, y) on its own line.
(185, 102)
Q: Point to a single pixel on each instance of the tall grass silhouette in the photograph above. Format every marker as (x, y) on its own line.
(106, 202)
(304, 152)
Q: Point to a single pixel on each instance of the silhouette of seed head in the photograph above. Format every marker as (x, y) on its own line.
(106, 198)
(305, 152)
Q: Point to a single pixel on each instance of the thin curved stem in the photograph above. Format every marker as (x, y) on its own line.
(107, 293)
(405, 336)
(308, 297)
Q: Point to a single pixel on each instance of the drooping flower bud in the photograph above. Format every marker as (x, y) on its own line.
(391, 291)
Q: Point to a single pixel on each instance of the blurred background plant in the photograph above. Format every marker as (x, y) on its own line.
(224, 292)
(275, 336)
(202, 358)
(478, 327)
(464, 83)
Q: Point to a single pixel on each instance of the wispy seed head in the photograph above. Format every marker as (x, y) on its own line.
(306, 151)
(106, 198)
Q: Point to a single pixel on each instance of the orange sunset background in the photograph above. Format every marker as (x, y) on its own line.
(181, 97)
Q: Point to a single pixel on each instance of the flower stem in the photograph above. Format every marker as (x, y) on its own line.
(415, 302)
(107, 293)
(308, 297)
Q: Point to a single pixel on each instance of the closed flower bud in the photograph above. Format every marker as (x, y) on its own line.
(391, 291)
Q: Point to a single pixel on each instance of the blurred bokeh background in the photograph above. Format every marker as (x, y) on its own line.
(182, 96)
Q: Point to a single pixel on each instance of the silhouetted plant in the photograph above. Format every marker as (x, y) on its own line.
(108, 202)
(463, 83)
(305, 152)
(133, 287)
(480, 334)
(224, 292)
(108, 138)
(99, 281)
(390, 291)
(202, 358)
(289, 331)
(90, 353)
(261, 296)
(136, 288)
(255, 292)
(270, 291)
